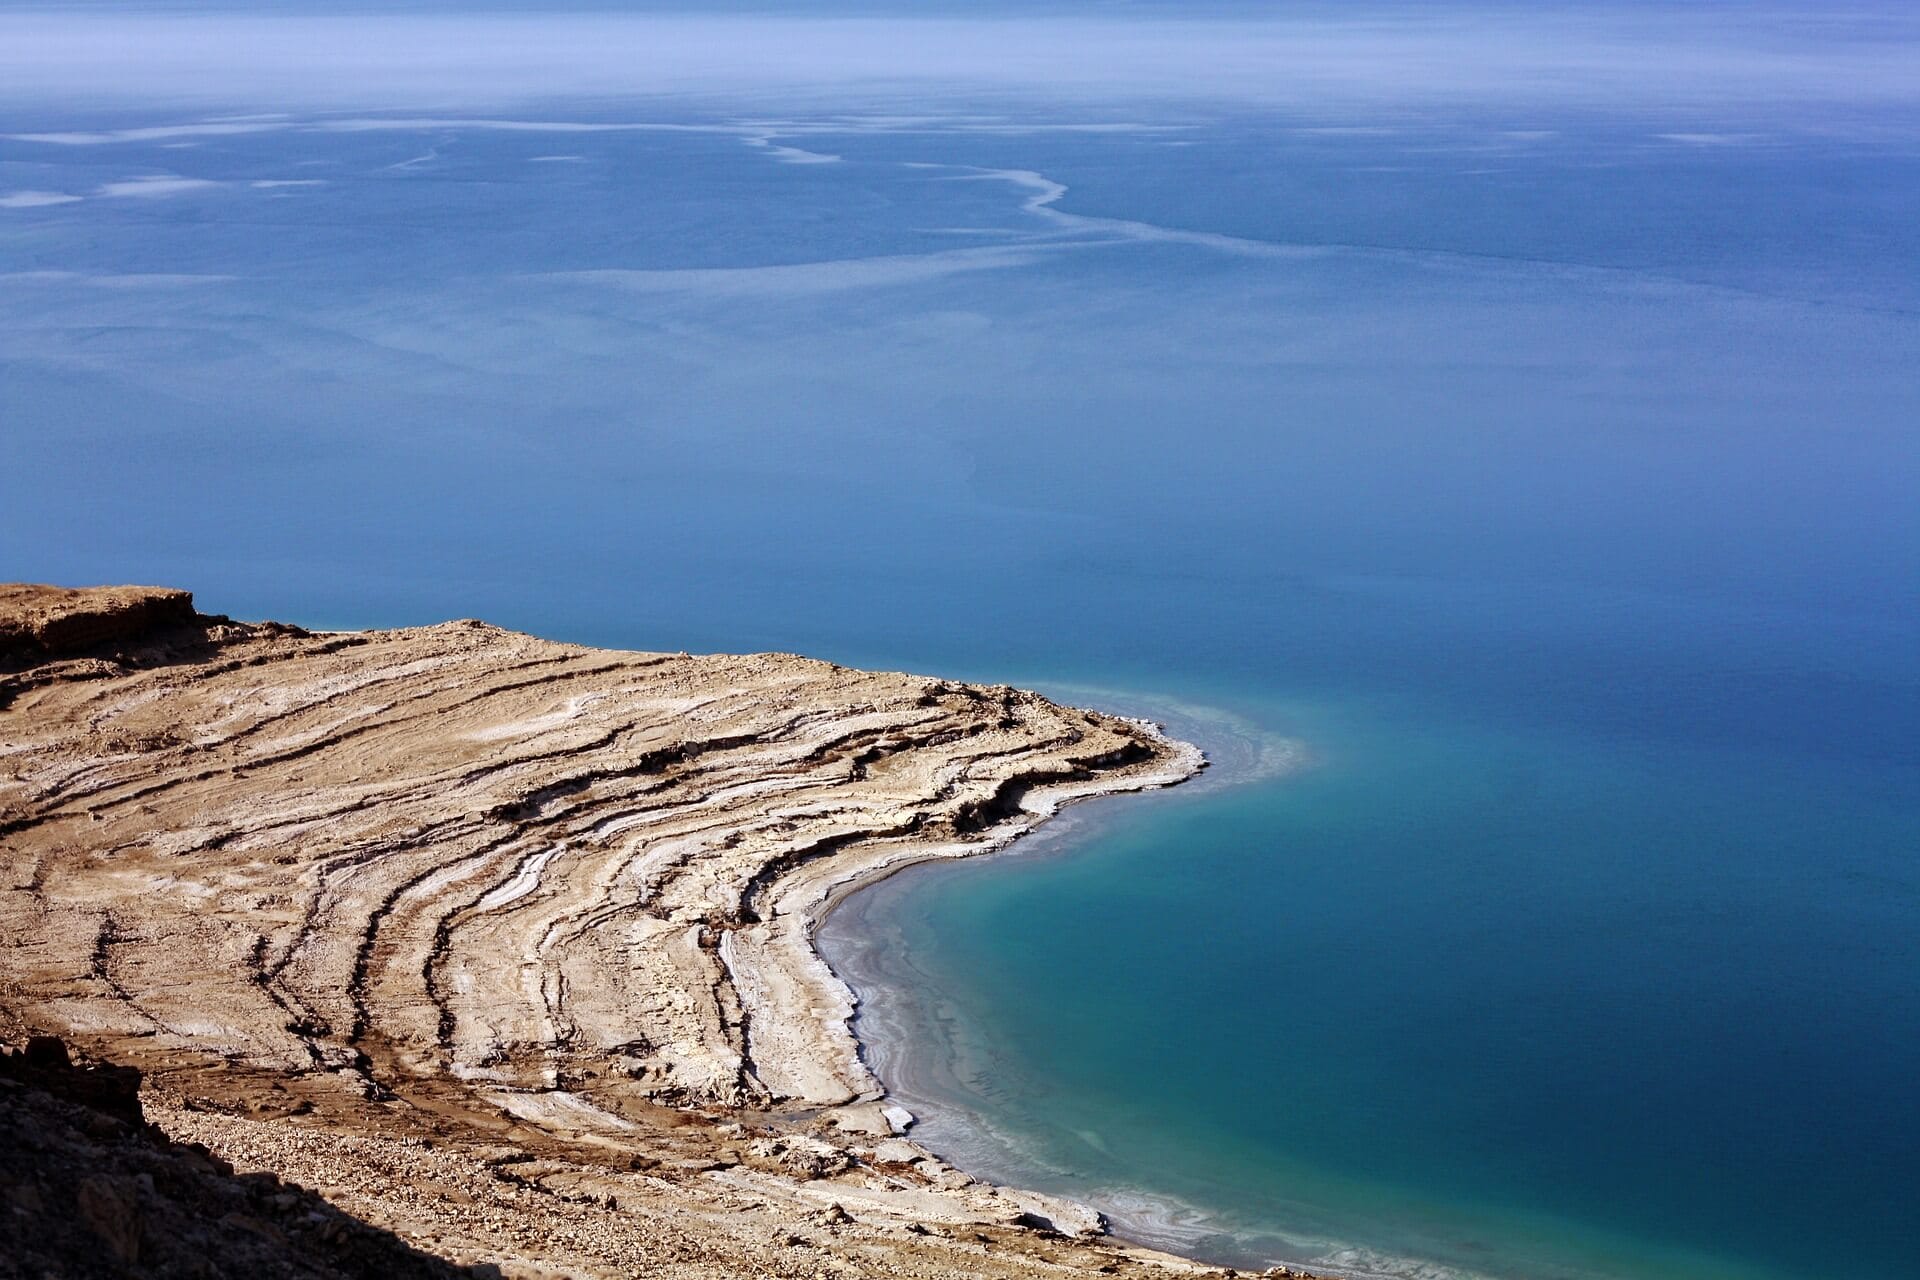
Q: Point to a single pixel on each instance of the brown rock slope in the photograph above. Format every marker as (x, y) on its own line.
(89, 1189)
(506, 943)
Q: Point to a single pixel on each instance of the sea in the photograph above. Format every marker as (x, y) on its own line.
(1491, 431)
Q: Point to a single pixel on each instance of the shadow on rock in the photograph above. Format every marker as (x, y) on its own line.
(89, 1189)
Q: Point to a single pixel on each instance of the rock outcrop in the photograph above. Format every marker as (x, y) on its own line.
(39, 622)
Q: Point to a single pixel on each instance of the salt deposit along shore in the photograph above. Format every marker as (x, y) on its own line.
(506, 946)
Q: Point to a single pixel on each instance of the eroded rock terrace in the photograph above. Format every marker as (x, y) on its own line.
(566, 876)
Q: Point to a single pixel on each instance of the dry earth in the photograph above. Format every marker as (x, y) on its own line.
(505, 945)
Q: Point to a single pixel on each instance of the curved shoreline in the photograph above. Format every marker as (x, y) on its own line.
(462, 882)
(1185, 760)
(1143, 1218)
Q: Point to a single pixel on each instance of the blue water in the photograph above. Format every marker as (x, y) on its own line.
(1519, 417)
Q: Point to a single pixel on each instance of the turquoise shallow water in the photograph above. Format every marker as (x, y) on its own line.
(1537, 451)
(1447, 993)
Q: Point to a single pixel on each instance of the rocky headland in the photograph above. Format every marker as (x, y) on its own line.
(503, 946)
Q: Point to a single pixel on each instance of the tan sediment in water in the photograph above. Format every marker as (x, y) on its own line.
(505, 944)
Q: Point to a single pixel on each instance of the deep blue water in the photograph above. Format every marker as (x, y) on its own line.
(1539, 453)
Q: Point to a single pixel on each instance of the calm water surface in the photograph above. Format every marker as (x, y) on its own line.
(1543, 464)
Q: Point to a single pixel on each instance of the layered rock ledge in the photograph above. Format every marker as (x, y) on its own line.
(462, 882)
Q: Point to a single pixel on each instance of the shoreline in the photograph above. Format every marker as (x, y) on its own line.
(1237, 754)
(1145, 1219)
(1187, 761)
(460, 884)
